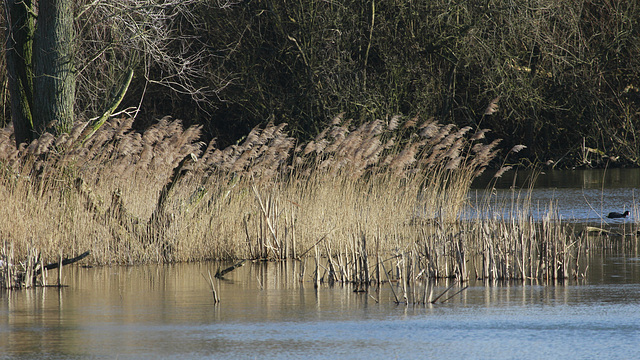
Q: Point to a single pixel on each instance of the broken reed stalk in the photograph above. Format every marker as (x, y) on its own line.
(216, 299)
(402, 273)
(60, 272)
(314, 245)
(316, 278)
(442, 294)
(362, 261)
(267, 213)
(333, 268)
(428, 293)
(390, 285)
(454, 294)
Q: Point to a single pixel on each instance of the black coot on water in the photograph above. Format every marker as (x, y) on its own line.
(617, 215)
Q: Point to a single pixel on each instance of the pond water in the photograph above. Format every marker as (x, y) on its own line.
(581, 196)
(267, 310)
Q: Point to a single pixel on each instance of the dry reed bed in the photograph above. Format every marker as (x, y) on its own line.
(375, 202)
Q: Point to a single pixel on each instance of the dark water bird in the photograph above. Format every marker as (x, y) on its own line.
(617, 215)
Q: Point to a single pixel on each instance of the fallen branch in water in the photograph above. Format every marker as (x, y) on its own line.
(64, 262)
(220, 274)
(13, 278)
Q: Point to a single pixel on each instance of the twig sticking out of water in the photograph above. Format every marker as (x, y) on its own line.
(391, 286)
(316, 277)
(456, 293)
(444, 292)
(60, 272)
(216, 299)
(317, 242)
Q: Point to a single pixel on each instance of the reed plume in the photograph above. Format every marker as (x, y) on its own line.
(163, 195)
(492, 108)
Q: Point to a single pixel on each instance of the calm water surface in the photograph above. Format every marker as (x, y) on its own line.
(266, 312)
(269, 311)
(583, 196)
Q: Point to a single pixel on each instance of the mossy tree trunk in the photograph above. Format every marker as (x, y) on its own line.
(54, 82)
(39, 52)
(19, 41)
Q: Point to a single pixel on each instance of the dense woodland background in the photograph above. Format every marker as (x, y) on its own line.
(566, 73)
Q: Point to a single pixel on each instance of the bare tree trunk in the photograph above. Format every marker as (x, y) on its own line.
(54, 84)
(19, 40)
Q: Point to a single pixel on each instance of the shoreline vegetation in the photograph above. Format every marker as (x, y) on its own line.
(371, 203)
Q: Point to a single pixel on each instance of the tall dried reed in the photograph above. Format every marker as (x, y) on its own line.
(368, 199)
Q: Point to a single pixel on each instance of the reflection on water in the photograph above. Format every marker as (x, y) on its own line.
(267, 312)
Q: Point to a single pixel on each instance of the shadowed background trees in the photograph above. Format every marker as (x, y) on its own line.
(565, 73)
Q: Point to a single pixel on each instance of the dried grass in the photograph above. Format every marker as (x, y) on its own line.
(134, 197)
